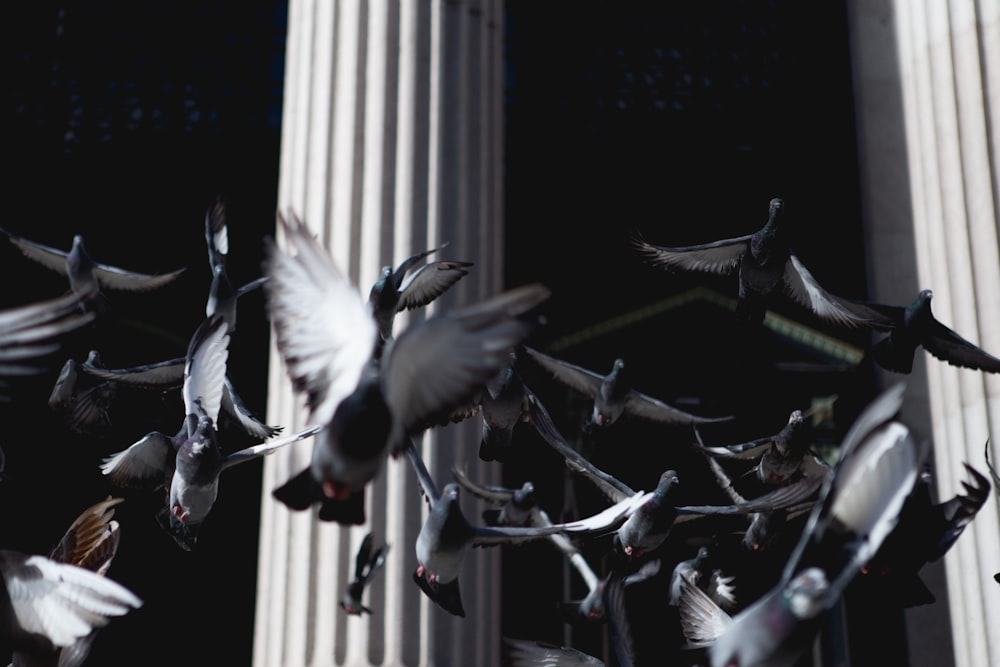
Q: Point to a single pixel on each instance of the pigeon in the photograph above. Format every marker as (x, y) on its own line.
(91, 542)
(83, 401)
(88, 278)
(367, 563)
(859, 506)
(368, 405)
(401, 289)
(782, 457)
(773, 631)
(30, 334)
(612, 395)
(47, 605)
(222, 294)
(446, 535)
(649, 526)
(188, 465)
(698, 571)
(916, 326)
(924, 532)
(517, 506)
(766, 265)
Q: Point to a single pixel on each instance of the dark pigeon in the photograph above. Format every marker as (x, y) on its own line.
(767, 266)
(367, 564)
(368, 405)
(914, 326)
(446, 535)
(613, 396)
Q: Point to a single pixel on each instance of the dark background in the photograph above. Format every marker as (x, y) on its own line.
(121, 122)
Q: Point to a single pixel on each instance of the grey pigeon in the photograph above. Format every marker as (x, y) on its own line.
(87, 277)
(767, 266)
(91, 542)
(31, 333)
(406, 288)
(446, 535)
(859, 506)
(368, 405)
(367, 564)
(914, 326)
(698, 571)
(780, 458)
(613, 396)
(188, 464)
(47, 605)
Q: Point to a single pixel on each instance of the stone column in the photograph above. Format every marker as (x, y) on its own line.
(391, 144)
(928, 83)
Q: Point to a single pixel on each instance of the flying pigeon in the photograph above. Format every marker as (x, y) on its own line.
(613, 396)
(188, 464)
(367, 564)
(859, 506)
(82, 400)
(222, 294)
(766, 265)
(31, 333)
(650, 525)
(446, 535)
(368, 405)
(91, 542)
(699, 571)
(782, 457)
(87, 277)
(50, 606)
(916, 326)
(516, 506)
(924, 532)
(405, 288)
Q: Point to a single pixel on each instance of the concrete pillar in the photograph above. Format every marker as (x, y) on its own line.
(928, 78)
(391, 144)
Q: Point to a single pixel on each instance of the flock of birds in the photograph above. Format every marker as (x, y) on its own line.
(822, 525)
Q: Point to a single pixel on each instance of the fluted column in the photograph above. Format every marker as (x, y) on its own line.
(391, 144)
(944, 73)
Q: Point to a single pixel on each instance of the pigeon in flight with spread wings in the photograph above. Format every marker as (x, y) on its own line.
(89, 278)
(766, 265)
(613, 395)
(48, 605)
(914, 326)
(402, 289)
(859, 505)
(188, 464)
(446, 534)
(91, 542)
(368, 405)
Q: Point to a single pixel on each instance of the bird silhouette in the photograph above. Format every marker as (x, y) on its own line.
(369, 404)
(368, 563)
(613, 395)
(767, 267)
